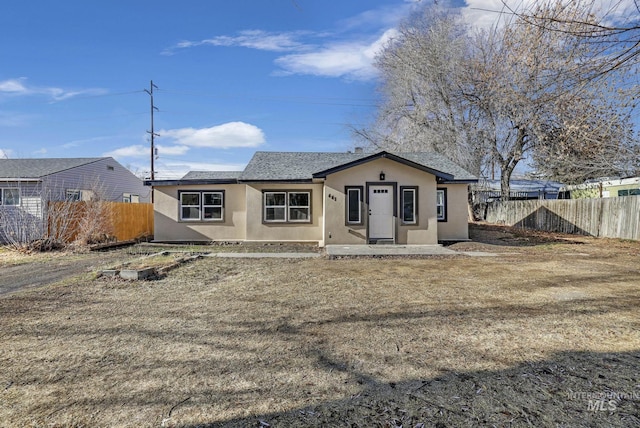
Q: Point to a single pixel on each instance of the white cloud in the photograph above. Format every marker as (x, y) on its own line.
(13, 86)
(348, 51)
(254, 39)
(177, 169)
(142, 151)
(227, 135)
(352, 59)
(171, 150)
(135, 151)
(19, 86)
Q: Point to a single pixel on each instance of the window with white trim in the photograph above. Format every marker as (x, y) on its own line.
(130, 198)
(287, 207)
(441, 204)
(409, 204)
(74, 195)
(202, 206)
(10, 197)
(354, 204)
(212, 205)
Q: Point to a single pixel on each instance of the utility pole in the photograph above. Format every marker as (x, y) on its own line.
(152, 133)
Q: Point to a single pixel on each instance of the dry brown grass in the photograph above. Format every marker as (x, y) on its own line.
(459, 341)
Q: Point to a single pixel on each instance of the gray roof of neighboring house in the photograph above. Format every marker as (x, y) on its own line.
(41, 167)
(520, 185)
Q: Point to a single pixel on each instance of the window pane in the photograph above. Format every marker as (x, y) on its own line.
(190, 199)
(298, 214)
(213, 213)
(440, 197)
(299, 199)
(274, 214)
(353, 202)
(408, 206)
(212, 198)
(274, 199)
(11, 196)
(190, 213)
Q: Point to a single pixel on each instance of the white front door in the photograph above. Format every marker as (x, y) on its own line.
(381, 212)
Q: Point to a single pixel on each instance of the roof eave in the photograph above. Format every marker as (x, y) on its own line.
(278, 181)
(465, 181)
(180, 182)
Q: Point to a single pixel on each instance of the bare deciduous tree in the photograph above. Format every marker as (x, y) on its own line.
(498, 97)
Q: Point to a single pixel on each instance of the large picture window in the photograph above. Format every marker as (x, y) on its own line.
(287, 207)
(354, 204)
(202, 206)
(409, 201)
(441, 204)
(10, 197)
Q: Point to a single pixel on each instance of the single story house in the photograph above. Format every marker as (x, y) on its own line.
(27, 185)
(328, 198)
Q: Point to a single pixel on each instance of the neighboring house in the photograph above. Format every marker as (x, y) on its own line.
(28, 185)
(328, 198)
(519, 189)
(603, 188)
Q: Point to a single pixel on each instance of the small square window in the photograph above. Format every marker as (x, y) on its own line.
(10, 197)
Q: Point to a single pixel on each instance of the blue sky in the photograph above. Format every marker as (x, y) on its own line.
(233, 77)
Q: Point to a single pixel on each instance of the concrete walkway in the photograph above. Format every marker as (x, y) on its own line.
(265, 255)
(333, 251)
(388, 250)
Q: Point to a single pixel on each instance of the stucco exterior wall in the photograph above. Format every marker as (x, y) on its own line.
(457, 225)
(258, 230)
(169, 227)
(338, 232)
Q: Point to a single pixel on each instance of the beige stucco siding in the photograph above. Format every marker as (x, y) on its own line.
(338, 232)
(259, 230)
(169, 227)
(457, 225)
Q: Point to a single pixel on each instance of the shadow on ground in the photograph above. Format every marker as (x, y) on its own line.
(572, 389)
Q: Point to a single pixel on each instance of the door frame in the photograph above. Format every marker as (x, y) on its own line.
(394, 187)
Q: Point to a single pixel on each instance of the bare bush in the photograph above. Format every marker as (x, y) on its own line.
(43, 222)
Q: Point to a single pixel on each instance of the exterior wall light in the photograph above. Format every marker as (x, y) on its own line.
(382, 176)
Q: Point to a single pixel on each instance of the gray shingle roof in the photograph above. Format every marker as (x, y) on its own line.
(212, 175)
(285, 166)
(294, 165)
(304, 166)
(41, 167)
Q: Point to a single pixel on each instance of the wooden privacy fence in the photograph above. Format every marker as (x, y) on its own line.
(124, 221)
(604, 217)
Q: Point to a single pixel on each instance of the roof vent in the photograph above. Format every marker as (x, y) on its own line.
(357, 150)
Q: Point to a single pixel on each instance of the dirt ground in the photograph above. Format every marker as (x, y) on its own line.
(547, 333)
